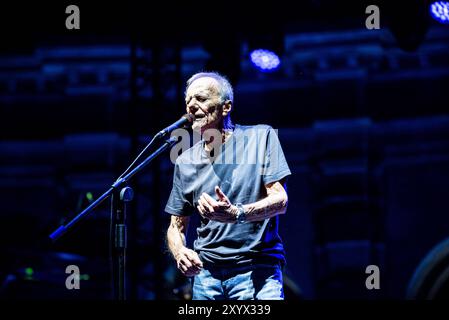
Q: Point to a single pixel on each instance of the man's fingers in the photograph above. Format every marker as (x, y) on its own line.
(202, 208)
(208, 198)
(191, 261)
(203, 211)
(211, 201)
(189, 272)
(193, 256)
(185, 261)
(190, 265)
(224, 204)
(206, 202)
(182, 267)
(209, 207)
(220, 194)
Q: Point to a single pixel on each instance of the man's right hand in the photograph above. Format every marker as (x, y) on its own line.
(188, 262)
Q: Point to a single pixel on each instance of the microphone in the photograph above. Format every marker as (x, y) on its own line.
(185, 121)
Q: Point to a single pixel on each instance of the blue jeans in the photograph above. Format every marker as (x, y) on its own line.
(254, 282)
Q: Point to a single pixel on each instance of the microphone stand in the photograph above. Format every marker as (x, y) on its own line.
(122, 195)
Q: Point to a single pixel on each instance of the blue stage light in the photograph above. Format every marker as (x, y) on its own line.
(265, 60)
(440, 11)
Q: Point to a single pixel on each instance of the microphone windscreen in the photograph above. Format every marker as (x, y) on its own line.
(190, 117)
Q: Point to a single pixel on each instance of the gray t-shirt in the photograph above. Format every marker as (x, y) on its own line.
(251, 158)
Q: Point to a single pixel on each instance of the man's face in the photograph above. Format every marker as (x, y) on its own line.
(203, 100)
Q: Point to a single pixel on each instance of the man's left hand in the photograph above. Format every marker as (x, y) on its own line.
(220, 210)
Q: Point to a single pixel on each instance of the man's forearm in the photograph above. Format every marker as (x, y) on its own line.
(270, 206)
(176, 239)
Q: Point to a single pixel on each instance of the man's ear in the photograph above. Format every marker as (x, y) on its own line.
(227, 107)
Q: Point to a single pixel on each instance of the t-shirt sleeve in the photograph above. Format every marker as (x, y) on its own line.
(275, 165)
(178, 203)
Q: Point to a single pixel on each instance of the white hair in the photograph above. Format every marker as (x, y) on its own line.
(225, 88)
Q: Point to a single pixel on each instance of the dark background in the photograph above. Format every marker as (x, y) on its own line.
(362, 116)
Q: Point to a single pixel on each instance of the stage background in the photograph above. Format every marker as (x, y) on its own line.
(362, 116)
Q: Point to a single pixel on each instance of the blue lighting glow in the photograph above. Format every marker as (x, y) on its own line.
(440, 11)
(265, 60)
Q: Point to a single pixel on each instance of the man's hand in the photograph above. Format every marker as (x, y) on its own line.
(220, 210)
(188, 262)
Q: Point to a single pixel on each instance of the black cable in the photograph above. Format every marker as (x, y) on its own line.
(137, 158)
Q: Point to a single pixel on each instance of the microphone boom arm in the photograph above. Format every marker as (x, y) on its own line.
(120, 183)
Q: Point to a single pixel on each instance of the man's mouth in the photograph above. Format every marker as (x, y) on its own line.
(199, 117)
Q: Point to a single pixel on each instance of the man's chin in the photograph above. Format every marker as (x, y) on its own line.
(200, 126)
(196, 127)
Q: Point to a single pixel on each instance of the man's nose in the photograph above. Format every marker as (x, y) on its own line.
(192, 107)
